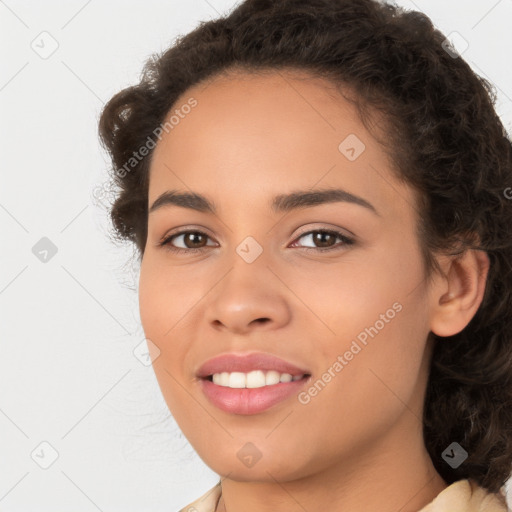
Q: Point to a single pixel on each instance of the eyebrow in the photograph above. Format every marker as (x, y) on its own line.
(280, 203)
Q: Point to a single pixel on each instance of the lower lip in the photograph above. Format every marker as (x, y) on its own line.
(250, 400)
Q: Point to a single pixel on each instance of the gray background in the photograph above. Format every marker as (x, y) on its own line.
(69, 325)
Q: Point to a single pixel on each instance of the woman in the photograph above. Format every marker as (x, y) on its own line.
(319, 192)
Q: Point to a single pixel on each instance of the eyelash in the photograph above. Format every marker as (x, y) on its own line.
(168, 247)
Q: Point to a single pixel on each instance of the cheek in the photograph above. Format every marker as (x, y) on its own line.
(378, 383)
(168, 307)
(377, 319)
(165, 296)
(342, 300)
(158, 312)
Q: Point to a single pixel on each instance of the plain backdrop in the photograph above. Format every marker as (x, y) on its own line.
(83, 425)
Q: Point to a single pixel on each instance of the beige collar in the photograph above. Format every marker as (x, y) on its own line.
(461, 496)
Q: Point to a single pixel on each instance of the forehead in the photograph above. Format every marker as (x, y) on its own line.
(271, 105)
(252, 135)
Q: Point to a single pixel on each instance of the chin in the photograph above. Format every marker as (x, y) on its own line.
(278, 467)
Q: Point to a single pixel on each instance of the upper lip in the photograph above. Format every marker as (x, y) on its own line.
(231, 362)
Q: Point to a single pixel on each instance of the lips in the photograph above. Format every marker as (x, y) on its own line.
(247, 401)
(246, 363)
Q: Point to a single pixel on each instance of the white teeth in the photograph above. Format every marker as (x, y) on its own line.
(254, 379)
(272, 377)
(236, 380)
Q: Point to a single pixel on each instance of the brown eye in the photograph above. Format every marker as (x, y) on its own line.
(325, 240)
(192, 240)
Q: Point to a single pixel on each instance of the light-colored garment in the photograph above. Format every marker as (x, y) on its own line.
(461, 496)
(465, 496)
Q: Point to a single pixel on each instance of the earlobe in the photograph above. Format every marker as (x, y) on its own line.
(459, 294)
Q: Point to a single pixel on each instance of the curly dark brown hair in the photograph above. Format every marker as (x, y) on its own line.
(444, 138)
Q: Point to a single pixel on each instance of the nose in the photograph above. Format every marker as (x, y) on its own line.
(249, 297)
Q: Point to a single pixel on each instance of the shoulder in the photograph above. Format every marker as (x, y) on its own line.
(205, 503)
(466, 496)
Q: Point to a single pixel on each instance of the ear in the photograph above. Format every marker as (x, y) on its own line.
(457, 295)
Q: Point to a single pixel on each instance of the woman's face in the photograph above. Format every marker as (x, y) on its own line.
(354, 319)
